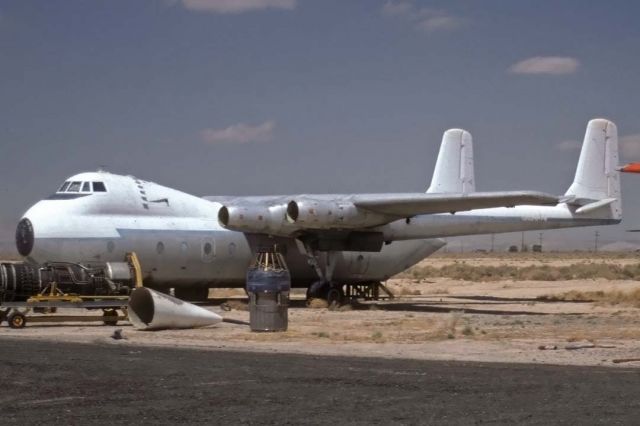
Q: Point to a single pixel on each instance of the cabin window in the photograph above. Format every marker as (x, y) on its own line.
(86, 187)
(74, 187)
(64, 186)
(207, 249)
(99, 187)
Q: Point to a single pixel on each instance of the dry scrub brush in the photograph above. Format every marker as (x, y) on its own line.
(576, 271)
(615, 297)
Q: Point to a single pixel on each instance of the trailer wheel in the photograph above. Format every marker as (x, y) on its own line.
(110, 317)
(17, 320)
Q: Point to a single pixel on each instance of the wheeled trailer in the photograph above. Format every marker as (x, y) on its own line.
(26, 289)
(17, 314)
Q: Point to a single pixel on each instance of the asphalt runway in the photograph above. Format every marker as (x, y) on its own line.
(63, 383)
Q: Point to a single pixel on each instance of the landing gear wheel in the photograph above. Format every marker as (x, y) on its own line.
(317, 290)
(335, 296)
(17, 320)
(110, 317)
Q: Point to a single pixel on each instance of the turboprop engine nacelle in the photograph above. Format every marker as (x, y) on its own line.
(255, 218)
(327, 214)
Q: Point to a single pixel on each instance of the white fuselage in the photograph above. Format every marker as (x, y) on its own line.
(178, 239)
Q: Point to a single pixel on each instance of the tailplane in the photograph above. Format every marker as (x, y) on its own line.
(597, 182)
(454, 167)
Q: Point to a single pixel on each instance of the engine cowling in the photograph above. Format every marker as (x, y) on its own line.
(255, 218)
(326, 214)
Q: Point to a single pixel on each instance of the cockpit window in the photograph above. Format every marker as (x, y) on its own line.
(99, 187)
(74, 187)
(86, 187)
(64, 186)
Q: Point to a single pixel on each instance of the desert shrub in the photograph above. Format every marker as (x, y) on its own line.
(615, 297)
(583, 270)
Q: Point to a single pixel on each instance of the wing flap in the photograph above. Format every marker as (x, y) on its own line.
(407, 205)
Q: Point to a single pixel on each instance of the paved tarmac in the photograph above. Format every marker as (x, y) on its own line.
(64, 383)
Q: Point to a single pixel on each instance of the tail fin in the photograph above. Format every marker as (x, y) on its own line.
(454, 167)
(597, 178)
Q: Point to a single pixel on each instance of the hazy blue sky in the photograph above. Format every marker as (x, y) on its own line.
(290, 96)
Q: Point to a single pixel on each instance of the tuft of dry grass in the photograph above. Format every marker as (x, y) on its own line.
(403, 291)
(439, 291)
(449, 328)
(238, 305)
(317, 304)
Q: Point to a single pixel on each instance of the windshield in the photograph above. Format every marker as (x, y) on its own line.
(77, 186)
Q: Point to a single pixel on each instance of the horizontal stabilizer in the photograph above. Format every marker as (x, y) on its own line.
(408, 205)
(595, 205)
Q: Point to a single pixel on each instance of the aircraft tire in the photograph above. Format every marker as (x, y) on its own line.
(17, 320)
(317, 290)
(335, 295)
(110, 317)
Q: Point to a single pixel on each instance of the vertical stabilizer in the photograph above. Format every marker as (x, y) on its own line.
(597, 177)
(454, 167)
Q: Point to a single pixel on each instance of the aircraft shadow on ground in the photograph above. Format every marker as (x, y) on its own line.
(517, 299)
(436, 308)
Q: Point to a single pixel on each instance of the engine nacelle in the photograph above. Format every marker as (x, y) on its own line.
(327, 214)
(255, 218)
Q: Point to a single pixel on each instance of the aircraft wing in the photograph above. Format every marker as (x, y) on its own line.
(312, 214)
(408, 205)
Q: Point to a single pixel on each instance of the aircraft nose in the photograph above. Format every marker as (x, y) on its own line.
(24, 237)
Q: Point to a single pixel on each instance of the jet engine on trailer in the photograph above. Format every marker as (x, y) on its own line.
(20, 280)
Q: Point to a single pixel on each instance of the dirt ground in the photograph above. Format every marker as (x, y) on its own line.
(432, 318)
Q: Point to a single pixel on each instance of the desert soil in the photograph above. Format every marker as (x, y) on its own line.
(429, 319)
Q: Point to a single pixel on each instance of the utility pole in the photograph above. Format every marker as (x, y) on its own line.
(595, 242)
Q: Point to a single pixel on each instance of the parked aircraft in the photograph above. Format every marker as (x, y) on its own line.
(190, 243)
(630, 168)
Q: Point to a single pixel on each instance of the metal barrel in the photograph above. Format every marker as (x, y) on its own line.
(268, 298)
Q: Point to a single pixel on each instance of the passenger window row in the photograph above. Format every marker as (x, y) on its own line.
(76, 186)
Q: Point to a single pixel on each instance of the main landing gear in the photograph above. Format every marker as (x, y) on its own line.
(325, 288)
(335, 293)
(332, 292)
